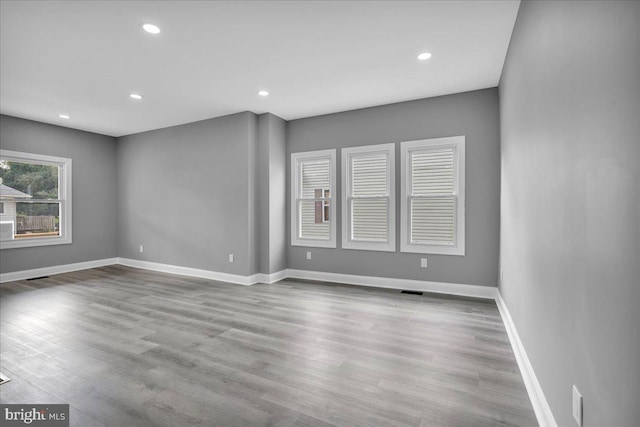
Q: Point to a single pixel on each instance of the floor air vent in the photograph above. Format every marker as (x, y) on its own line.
(411, 292)
(38, 278)
(4, 379)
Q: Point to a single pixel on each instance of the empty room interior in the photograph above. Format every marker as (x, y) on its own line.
(320, 213)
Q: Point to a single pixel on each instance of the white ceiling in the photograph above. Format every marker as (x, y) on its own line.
(211, 58)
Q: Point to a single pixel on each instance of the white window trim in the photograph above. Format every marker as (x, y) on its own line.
(295, 160)
(347, 242)
(64, 187)
(457, 142)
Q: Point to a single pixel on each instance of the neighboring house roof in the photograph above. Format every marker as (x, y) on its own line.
(7, 192)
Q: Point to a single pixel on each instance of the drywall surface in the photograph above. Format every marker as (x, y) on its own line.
(93, 192)
(270, 194)
(252, 195)
(186, 192)
(570, 205)
(473, 114)
(262, 193)
(277, 194)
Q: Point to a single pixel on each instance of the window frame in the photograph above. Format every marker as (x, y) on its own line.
(64, 199)
(347, 155)
(296, 160)
(406, 147)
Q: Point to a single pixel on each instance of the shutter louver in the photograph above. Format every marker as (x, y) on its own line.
(433, 202)
(432, 220)
(369, 175)
(370, 219)
(310, 229)
(370, 202)
(315, 175)
(432, 172)
(315, 180)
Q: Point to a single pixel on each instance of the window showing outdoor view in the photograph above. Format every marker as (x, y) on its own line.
(30, 196)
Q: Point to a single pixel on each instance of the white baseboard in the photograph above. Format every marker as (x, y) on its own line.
(188, 271)
(56, 269)
(536, 395)
(350, 279)
(146, 265)
(270, 278)
(488, 292)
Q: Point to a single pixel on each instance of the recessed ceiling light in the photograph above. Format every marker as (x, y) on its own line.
(150, 28)
(263, 93)
(64, 116)
(135, 96)
(424, 56)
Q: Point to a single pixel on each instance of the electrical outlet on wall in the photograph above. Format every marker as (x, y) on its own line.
(141, 248)
(230, 257)
(309, 255)
(577, 406)
(423, 262)
(501, 275)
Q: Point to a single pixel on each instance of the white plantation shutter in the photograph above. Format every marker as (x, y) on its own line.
(369, 175)
(312, 206)
(315, 175)
(433, 202)
(433, 196)
(367, 197)
(433, 220)
(432, 171)
(369, 219)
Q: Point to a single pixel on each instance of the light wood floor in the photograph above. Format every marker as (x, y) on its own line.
(128, 347)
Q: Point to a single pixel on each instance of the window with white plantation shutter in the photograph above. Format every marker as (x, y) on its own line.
(368, 197)
(312, 192)
(432, 206)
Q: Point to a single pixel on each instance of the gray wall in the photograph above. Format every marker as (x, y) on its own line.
(187, 194)
(570, 205)
(277, 194)
(252, 196)
(262, 193)
(474, 114)
(271, 167)
(93, 188)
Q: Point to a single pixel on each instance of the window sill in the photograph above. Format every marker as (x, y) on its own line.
(367, 246)
(433, 249)
(34, 242)
(314, 243)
